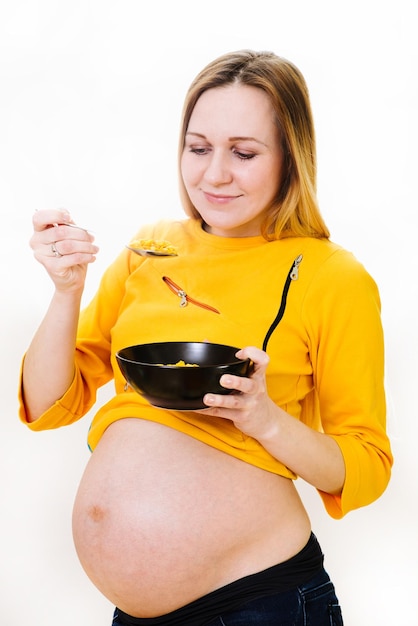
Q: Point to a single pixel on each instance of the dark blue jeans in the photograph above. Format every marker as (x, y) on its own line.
(311, 604)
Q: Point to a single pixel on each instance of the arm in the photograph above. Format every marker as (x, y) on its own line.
(340, 444)
(312, 455)
(49, 362)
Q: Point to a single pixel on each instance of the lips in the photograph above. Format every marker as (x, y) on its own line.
(218, 198)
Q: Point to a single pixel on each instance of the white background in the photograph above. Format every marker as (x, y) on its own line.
(90, 100)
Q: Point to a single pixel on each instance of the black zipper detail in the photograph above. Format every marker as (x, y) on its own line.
(292, 275)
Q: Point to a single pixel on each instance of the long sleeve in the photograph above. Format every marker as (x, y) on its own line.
(347, 353)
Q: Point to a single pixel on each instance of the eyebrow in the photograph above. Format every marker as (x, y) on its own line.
(237, 138)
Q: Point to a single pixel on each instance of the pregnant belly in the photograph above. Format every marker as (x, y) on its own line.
(160, 519)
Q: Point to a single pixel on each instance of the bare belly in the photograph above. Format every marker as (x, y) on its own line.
(161, 519)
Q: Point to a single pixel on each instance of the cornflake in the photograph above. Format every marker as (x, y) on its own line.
(154, 245)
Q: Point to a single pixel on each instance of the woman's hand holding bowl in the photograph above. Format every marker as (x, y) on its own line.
(250, 408)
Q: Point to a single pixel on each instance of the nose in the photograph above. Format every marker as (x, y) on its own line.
(218, 171)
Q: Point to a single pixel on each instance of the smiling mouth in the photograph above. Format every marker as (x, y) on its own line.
(218, 198)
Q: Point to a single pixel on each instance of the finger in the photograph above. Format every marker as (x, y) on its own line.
(216, 401)
(70, 247)
(49, 217)
(259, 357)
(58, 266)
(259, 361)
(238, 383)
(71, 231)
(54, 250)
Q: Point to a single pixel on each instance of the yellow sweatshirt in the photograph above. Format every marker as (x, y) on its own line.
(326, 354)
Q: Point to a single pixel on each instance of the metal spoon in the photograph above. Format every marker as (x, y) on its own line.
(143, 252)
(87, 230)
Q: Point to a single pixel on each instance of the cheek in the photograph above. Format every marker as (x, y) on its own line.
(255, 182)
(271, 182)
(189, 170)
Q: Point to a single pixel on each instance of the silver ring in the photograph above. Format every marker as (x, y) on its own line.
(54, 249)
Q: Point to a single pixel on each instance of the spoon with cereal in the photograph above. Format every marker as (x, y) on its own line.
(152, 247)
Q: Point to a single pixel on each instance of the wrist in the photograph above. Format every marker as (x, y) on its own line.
(273, 426)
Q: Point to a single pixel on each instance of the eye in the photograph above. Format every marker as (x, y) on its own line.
(198, 151)
(244, 156)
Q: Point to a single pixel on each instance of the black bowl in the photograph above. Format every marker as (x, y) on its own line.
(151, 370)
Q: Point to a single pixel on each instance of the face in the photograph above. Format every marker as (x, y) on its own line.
(232, 160)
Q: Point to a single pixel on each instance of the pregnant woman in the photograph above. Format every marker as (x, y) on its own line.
(192, 517)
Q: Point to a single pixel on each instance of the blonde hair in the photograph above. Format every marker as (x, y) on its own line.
(295, 210)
